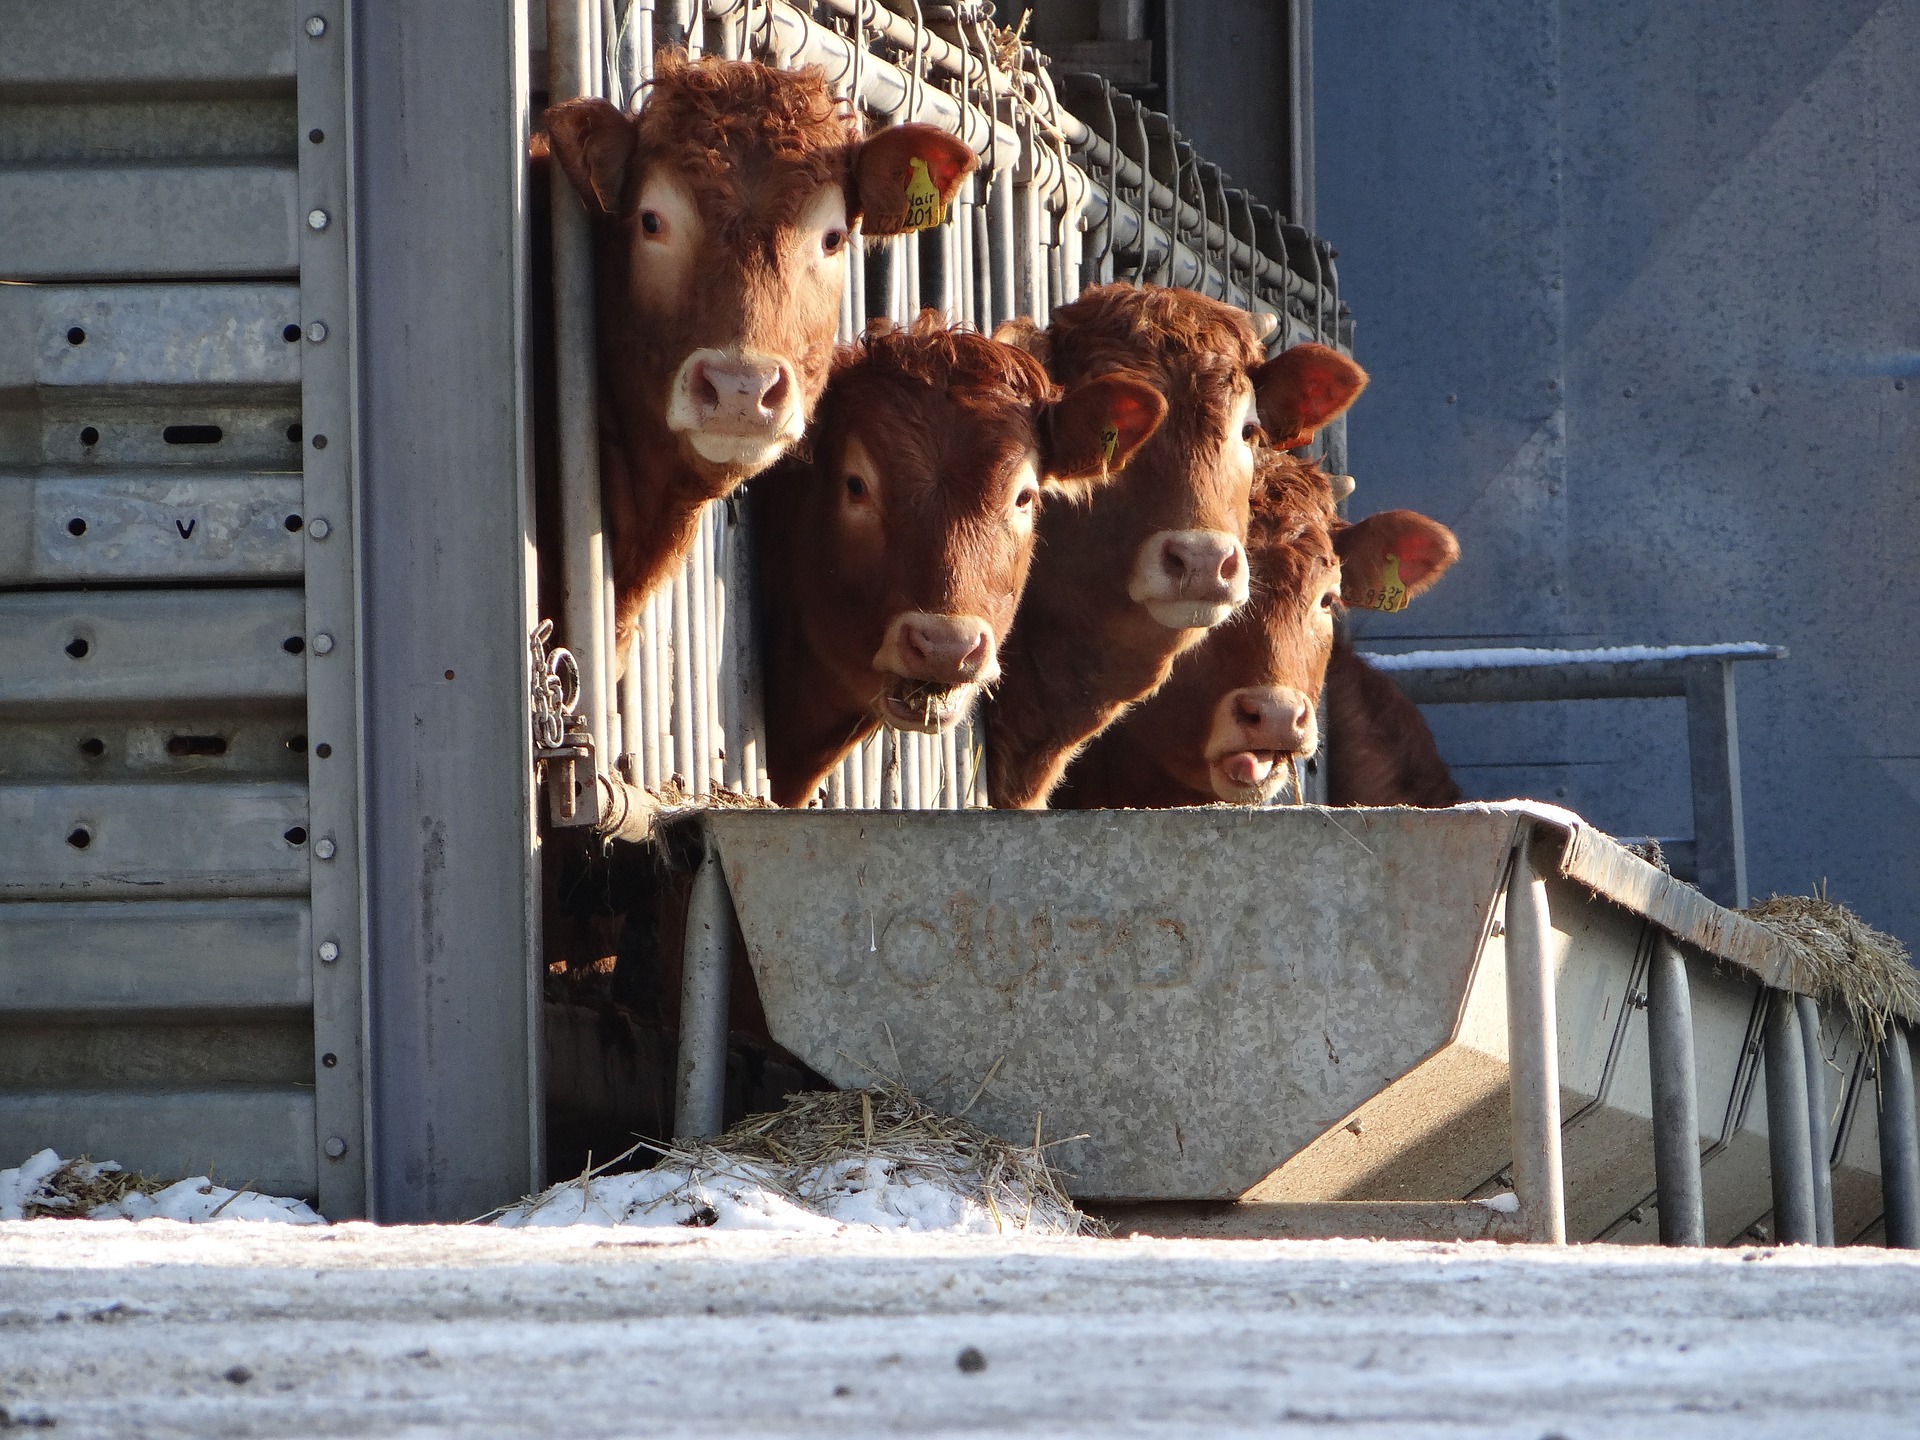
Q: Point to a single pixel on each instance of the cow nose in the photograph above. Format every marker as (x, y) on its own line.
(738, 393)
(941, 649)
(1274, 718)
(1203, 565)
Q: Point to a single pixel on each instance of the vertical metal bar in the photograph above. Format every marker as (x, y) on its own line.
(701, 1093)
(1676, 1098)
(434, 217)
(1819, 1141)
(1713, 753)
(633, 705)
(682, 685)
(889, 769)
(1533, 1053)
(1789, 1145)
(335, 799)
(652, 638)
(1000, 246)
(1899, 1141)
(615, 738)
(571, 73)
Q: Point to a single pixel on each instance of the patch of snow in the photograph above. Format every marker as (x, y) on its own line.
(1506, 1202)
(879, 1193)
(194, 1200)
(1514, 657)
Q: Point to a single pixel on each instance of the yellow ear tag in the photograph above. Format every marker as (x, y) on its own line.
(923, 198)
(1393, 594)
(1109, 442)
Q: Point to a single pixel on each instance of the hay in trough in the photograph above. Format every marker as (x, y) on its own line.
(1845, 961)
(874, 1157)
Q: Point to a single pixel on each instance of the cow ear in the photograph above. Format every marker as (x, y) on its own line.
(905, 177)
(1387, 559)
(1301, 389)
(594, 140)
(1023, 333)
(1092, 431)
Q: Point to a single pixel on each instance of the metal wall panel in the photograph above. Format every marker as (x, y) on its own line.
(128, 842)
(151, 43)
(60, 650)
(261, 1138)
(157, 526)
(1639, 313)
(155, 955)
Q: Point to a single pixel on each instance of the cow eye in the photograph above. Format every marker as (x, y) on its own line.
(1326, 601)
(1251, 431)
(856, 487)
(651, 222)
(1025, 497)
(831, 242)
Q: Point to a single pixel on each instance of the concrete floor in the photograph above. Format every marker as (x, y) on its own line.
(160, 1329)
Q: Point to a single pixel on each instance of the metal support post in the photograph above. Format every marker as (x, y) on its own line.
(1789, 1141)
(1821, 1141)
(1713, 752)
(1676, 1101)
(1899, 1142)
(1533, 1055)
(700, 1099)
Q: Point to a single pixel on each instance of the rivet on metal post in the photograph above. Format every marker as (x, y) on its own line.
(329, 952)
(700, 1098)
(335, 1147)
(318, 219)
(316, 332)
(319, 528)
(1533, 1053)
(316, 26)
(1676, 1101)
(323, 643)
(1789, 1143)
(324, 848)
(1899, 1142)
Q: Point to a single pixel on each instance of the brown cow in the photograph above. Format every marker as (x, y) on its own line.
(893, 554)
(722, 228)
(1123, 584)
(1382, 752)
(1238, 710)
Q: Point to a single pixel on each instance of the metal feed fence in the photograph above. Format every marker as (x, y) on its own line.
(1072, 190)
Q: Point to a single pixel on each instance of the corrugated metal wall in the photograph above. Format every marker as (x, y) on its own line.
(1644, 324)
(179, 915)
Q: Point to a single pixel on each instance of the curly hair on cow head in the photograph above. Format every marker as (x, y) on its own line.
(1292, 520)
(953, 359)
(1187, 338)
(713, 120)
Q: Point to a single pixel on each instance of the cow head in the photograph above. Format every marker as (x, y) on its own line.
(734, 195)
(1239, 709)
(1173, 528)
(933, 452)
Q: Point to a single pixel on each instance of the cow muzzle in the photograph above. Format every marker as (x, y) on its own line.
(936, 664)
(739, 409)
(1189, 579)
(1256, 732)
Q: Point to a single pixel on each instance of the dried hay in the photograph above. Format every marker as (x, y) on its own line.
(78, 1186)
(1649, 850)
(1844, 960)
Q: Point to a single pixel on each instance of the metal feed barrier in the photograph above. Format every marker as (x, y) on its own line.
(1060, 202)
(1368, 1022)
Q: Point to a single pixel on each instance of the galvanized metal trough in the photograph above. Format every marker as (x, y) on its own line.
(1310, 1021)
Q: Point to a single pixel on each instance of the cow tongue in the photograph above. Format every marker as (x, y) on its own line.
(1247, 767)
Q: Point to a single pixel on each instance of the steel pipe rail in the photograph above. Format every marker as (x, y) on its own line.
(701, 1090)
(1899, 1141)
(1533, 1054)
(1676, 1100)
(1789, 1141)
(1818, 1130)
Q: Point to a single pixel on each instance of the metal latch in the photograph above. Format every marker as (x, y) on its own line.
(563, 756)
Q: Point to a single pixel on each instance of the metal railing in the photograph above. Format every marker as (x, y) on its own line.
(1059, 202)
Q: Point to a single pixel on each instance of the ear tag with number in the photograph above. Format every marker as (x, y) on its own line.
(1393, 592)
(923, 198)
(1109, 442)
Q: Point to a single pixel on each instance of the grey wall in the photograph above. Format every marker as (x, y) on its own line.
(1637, 285)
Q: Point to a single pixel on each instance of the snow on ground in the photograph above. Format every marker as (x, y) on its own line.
(1507, 657)
(46, 1180)
(886, 1193)
(166, 1330)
